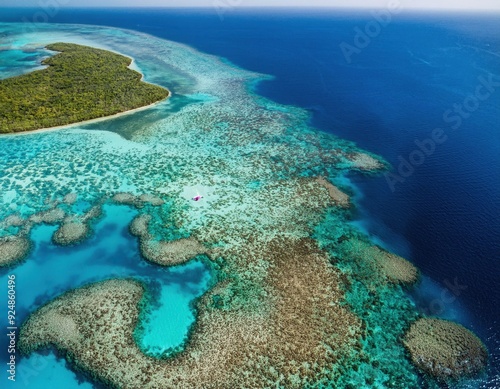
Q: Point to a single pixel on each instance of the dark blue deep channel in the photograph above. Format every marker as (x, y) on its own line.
(416, 74)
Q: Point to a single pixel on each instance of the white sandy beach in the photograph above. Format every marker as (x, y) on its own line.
(66, 126)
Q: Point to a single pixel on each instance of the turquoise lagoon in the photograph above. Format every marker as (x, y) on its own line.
(110, 253)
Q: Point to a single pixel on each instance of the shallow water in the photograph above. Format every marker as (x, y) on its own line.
(111, 252)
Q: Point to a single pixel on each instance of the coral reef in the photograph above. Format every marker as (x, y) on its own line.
(284, 312)
(13, 249)
(170, 253)
(364, 161)
(155, 201)
(125, 198)
(381, 304)
(377, 266)
(291, 340)
(93, 213)
(12, 221)
(64, 319)
(139, 226)
(137, 201)
(70, 198)
(161, 252)
(70, 233)
(398, 269)
(444, 349)
(339, 197)
(52, 216)
(74, 229)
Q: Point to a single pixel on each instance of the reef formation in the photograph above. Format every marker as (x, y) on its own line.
(13, 249)
(292, 307)
(445, 349)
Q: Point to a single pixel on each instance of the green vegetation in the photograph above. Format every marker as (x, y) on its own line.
(80, 83)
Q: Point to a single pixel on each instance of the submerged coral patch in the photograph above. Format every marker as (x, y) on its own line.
(52, 216)
(64, 319)
(155, 201)
(137, 201)
(93, 213)
(70, 198)
(364, 161)
(70, 233)
(445, 349)
(339, 197)
(377, 266)
(12, 221)
(125, 198)
(171, 253)
(398, 269)
(139, 226)
(13, 249)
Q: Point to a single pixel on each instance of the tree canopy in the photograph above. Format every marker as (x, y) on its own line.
(80, 83)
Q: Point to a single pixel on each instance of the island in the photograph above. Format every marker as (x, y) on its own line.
(80, 83)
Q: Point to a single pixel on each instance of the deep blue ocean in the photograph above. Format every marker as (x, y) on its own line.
(416, 74)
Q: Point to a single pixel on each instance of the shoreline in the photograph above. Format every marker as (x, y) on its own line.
(90, 121)
(132, 66)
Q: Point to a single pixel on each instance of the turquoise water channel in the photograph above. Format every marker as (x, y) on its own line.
(111, 252)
